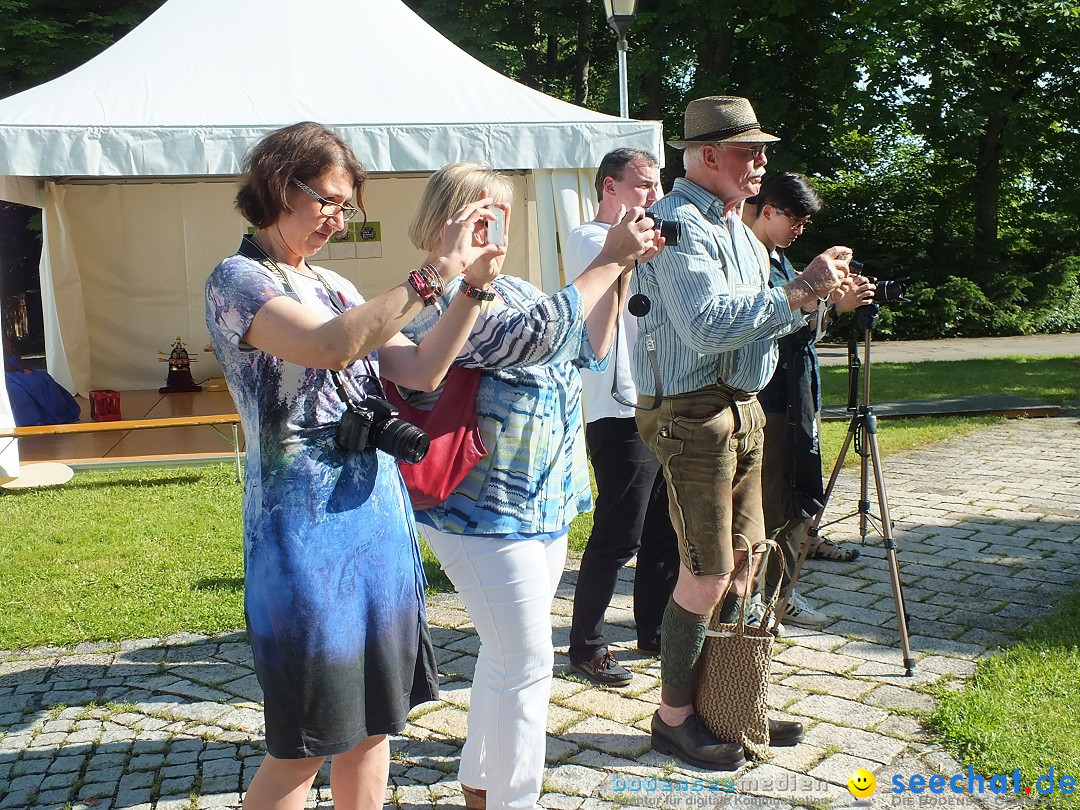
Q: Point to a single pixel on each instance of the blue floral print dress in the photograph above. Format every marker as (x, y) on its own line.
(333, 582)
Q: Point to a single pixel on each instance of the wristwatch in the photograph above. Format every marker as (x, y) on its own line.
(475, 292)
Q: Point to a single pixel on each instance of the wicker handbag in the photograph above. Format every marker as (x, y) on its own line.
(732, 685)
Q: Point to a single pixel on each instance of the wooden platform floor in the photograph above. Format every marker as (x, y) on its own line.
(200, 443)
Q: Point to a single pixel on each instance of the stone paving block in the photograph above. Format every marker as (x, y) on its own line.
(893, 697)
(560, 717)
(607, 735)
(828, 685)
(837, 768)
(839, 711)
(448, 721)
(610, 704)
(817, 660)
(799, 758)
(559, 750)
(856, 741)
(574, 779)
(560, 801)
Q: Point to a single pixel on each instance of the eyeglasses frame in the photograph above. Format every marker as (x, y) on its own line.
(796, 222)
(347, 211)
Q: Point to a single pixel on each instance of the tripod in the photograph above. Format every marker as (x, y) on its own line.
(862, 433)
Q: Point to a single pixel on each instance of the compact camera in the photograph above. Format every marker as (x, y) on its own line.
(670, 229)
(374, 425)
(496, 228)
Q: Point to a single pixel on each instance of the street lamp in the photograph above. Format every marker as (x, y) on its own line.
(620, 16)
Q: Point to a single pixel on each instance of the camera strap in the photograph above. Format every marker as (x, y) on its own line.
(250, 249)
(638, 306)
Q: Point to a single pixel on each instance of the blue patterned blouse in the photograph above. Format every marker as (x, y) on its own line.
(535, 479)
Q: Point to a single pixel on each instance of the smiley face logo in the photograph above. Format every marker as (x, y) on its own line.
(861, 783)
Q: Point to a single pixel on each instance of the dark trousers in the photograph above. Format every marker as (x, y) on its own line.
(631, 517)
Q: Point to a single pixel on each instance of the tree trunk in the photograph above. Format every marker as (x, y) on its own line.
(584, 59)
(988, 185)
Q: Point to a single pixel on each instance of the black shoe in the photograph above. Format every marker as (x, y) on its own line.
(785, 732)
(691, 743)
(604, 670)
(652, 647)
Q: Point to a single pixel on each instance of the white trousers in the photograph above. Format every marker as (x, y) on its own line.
(507, 587)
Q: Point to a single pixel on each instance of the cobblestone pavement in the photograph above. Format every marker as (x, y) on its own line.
(988, 529)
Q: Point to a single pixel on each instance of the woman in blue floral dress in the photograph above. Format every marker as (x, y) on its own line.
(333, 591)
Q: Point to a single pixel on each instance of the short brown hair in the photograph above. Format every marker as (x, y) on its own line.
(449, 189)
(301, 151)
(614, 165)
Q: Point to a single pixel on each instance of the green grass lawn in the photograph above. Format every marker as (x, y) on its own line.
(1022, 707)
(146, 552)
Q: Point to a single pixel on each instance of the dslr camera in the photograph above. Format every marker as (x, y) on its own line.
(670, 229)
(887, 289)
(373, 425)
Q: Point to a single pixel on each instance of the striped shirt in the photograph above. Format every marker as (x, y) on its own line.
(713, 316)
(534, 479)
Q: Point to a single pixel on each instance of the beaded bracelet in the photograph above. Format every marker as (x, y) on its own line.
(419, 283)
(434, 280)
(476, 292)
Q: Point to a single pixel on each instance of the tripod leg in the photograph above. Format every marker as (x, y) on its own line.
(812, 531)
(890, 552)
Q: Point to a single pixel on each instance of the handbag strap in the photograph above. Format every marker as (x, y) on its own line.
(740, 620)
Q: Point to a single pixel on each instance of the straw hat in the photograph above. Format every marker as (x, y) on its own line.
(714, 119)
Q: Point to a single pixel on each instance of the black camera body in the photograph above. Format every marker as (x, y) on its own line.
(670, 229)
(373, 425)
(887, 289)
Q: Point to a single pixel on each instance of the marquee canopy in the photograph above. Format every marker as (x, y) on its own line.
(189, 90)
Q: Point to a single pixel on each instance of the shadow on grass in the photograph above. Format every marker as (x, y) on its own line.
(220, 584)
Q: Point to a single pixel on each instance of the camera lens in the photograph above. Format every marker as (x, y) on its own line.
(886, 291)
(670, 229)
(401, 440)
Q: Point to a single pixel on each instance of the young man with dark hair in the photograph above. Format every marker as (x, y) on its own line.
(791, 484)
(631, 498)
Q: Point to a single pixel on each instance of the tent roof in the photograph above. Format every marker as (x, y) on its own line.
(190, 89)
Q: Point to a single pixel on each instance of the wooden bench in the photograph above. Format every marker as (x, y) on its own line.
(212, 421)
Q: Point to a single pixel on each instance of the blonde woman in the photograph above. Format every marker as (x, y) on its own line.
(501, 536)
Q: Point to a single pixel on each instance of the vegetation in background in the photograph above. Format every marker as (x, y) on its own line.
(944, 135)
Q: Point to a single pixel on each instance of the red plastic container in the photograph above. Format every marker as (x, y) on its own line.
(104, 405)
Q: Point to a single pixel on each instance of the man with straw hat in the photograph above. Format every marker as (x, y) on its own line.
(715, 322)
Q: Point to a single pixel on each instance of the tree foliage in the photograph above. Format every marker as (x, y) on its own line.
(943, 135)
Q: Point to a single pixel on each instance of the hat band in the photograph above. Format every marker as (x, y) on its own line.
(720, 134)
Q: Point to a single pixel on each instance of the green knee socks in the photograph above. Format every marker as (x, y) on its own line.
(682, 635)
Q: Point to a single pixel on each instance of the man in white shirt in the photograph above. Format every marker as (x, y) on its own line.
(631, 514)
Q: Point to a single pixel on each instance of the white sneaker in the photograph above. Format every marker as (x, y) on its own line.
(799, 611)
(756, 612)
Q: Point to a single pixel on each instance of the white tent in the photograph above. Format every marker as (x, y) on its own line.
(133, 158)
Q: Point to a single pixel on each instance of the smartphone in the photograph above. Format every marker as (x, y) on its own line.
(496, 228)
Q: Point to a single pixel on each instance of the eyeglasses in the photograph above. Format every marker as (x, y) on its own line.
(796, 223)
(756, 151)
(329, 208)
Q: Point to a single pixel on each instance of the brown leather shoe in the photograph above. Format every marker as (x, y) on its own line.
(475, 798)
(604, 670)
(693, 744)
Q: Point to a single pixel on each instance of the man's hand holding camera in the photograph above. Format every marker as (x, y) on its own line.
(820, 278)
(856, 291)
(633, 238)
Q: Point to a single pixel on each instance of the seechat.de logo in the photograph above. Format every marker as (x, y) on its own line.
(861, 783)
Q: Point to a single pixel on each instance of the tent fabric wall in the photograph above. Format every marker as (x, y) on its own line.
(9, 449)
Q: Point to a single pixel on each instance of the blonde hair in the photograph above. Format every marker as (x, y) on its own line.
(449, 189)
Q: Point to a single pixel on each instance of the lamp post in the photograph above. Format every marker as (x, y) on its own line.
(620, 16)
